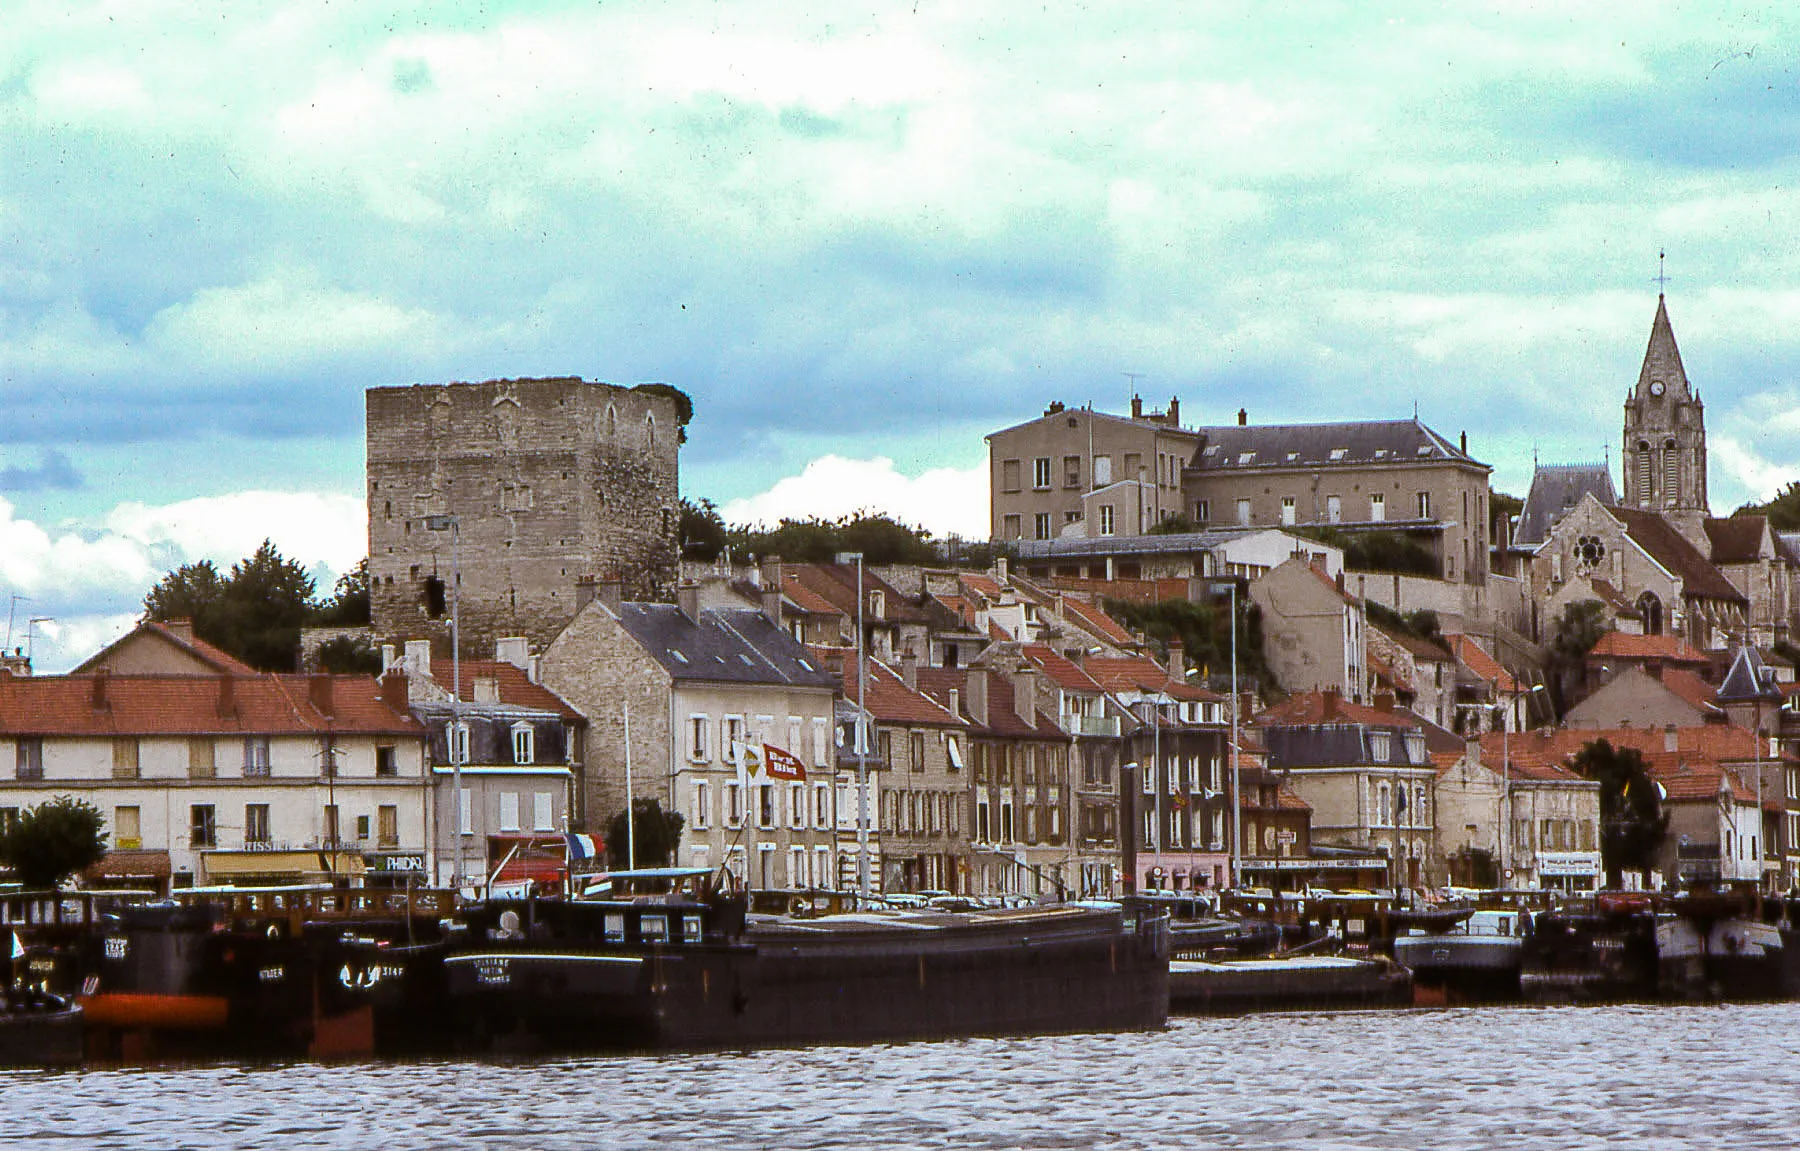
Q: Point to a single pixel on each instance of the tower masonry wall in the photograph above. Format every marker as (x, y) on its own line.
(550, 480)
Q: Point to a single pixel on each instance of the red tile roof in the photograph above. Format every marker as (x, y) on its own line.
(515, 686)
(1064, 672)
(194, 705)
(981, 585)
(886, 695)
(806, 599)
(1700, 752)
(1098, 622)
(1003, 719)
(182, 637)
(1472, 656)
(1690, 688)
(1618, 645)
(1311, 707)
(1141, 673)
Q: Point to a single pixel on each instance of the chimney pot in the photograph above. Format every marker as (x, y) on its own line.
(1243, 417)
(1137, 408)
(1177, 661)
(395, 690)
(319, 693)
(101, 674)
(1331, 700)
(909, 669)
(1174, 412)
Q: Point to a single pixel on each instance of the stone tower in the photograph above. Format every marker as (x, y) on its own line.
(1664, 448)
(550, 481)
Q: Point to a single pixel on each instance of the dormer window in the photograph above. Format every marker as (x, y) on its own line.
(1246, 457)
(1338, 453)
(522, 742)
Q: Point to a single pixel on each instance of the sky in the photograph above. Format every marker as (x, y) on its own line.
(859, 236)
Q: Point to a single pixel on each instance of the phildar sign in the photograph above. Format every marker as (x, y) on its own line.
(782, 764)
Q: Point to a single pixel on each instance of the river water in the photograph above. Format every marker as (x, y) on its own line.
(1639, 1077)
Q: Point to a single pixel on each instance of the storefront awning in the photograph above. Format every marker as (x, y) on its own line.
(285, 863)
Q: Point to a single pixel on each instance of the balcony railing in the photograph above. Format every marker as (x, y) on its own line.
(1098, 725)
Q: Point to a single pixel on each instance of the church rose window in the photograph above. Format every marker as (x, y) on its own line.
(1589, 551)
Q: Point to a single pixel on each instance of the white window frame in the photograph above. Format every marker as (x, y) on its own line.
(822, 806)
(1106, 519)
(732, 739)
(1040, 473)
(1289, 511)
(734, 805)
(1377, 507)
(701, 809)
(797, 806)
(699, 724)
(524, 743)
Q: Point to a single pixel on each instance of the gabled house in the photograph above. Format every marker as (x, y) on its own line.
(689, 706)
(227, 777)
(1530, 820)
(1366, 772)
(1314, 633)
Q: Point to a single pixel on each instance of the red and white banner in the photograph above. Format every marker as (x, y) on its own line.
(782, 764)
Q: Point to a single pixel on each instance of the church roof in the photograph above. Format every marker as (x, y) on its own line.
(1662, 359)
(1669, 548)
(1234, 446)
(1748, 681)
(1737, 539)
(1555, 489)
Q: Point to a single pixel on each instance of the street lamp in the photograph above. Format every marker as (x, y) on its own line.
(1506, 829)
(458, 742)
(1237, 803)
(862, 757)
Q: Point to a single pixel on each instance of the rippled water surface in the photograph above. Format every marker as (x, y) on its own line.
(1640, 1077)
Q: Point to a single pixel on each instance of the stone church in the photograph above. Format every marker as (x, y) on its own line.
(1652, 553)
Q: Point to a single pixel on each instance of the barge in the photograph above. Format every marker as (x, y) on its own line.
(663, 961)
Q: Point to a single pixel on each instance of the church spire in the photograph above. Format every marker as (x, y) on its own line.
(1662, 371)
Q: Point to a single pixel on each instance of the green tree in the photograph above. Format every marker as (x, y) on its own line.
(1633, 823)
(52, 841)
(1204, 630)
(349, 602)
(1783, 510)
(702, 531)
(346, 655)
(658, 835)
(884, 540)
(1577, 629)
(255, 613)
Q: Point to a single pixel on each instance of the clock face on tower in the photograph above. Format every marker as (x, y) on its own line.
(1656, 387)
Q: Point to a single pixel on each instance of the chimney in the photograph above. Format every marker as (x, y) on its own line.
(1465, 443)
(1654, 668)
(586, 591)
(513, 649)
(1671, 738)
(394, 690)
(1174, 412)
(1331, 699)
(101, 675)
(1384, 702)
(611, 593)
(1024, 685)
(1137, 408)
(1243, 417)
(388, 652)
(1177, 661)
(487, 689)
(955, 702)
(1472, 750)
(227, 696)
(977, 687)
(909, 669)
(182, 629)
(418, 657)
(318, 693)
(771, 602)
(1000, 571)
(770, 572)
(687, 598)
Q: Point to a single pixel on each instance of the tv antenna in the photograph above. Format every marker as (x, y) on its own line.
(31, 633)
(11, 613)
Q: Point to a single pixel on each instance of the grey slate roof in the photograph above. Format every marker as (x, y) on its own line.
(725, 645)
(1233, 446)
(1749, 680)
(1555, 488)
(1339, 744)
(1172, 543)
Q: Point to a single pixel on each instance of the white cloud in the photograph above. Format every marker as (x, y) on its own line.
(944, 501)
(310, 528)
(276, 323)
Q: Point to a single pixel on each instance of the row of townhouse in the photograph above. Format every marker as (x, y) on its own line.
(207, 771)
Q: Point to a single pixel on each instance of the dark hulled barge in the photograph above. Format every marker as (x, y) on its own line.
(685, 967)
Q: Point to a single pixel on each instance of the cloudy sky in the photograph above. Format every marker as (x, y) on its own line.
(860, 237)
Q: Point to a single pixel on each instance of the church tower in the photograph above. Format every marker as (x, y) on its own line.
(1665, 438)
